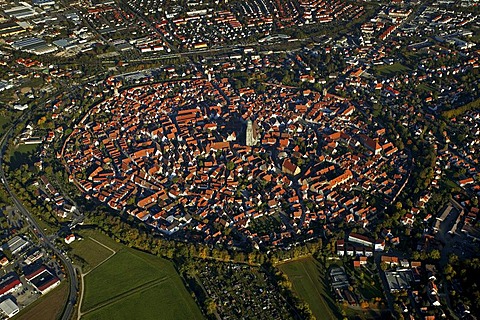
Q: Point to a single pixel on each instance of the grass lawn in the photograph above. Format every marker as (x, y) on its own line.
(131, 284)
(32, 83)
(22, 155)
(389, 70)
(3, 123)
(448, 182)
(308, 280)
(165, 300)
(123, 272)
(425, 88)
(91, 252)
(48, 307)
(46, 226)
(370, 292)
(367, 290)
(26, 148)
(266, 224)
(100, 237)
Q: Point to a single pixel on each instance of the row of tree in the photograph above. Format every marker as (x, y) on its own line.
(474, 105)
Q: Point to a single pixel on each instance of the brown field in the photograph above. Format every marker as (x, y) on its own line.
(49, 307)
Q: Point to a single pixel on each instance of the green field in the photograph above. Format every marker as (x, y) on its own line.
(90, 252)
(165, 300)
(131, 284)
(125, 271)
(26, 148)
(389, 70)
(102, 238)
(308, 280)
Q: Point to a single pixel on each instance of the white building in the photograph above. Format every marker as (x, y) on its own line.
(9, 308)
(70, 238)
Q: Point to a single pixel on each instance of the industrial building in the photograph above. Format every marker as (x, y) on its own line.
(399, 280)
(42, 279)
(34, 45)
(9, 283)
(16, 244)
(9, 308)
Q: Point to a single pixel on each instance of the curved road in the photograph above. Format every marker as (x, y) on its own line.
(70, 271)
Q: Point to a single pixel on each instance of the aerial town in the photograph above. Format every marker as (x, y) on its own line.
(209, 168)
(259, 159)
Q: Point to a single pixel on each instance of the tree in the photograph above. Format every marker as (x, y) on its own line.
(210, 306)
(398, 206)
(383, 266)
(449, 272)
(230, 165)
(435, 254)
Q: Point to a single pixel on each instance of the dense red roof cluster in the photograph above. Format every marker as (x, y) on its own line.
(175, 156)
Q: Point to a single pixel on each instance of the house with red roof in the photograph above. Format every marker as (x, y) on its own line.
(290, 168)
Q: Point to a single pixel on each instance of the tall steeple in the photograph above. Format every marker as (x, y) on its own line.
(251, 138)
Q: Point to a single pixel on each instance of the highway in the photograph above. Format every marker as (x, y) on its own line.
(36, 229)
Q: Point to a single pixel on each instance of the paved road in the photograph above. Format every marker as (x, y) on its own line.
(70, 271)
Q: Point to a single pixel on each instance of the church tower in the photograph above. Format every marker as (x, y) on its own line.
(252, 136)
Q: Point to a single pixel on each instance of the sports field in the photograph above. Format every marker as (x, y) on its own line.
(131, 284)
(308, 280)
